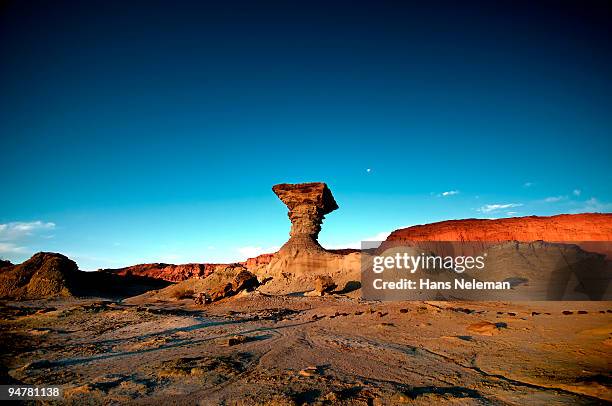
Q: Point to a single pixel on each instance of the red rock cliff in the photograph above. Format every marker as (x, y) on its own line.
(564, 227)
(177, 273)
(167, 272)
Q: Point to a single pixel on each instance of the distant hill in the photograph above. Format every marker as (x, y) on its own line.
(49, 275)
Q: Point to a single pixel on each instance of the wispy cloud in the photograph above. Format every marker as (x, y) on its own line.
(449, 193)
(488, 208)
(554, 199)
(18, 229)
(528, 184)
(9, 248)
(577, 192)
(594, 205)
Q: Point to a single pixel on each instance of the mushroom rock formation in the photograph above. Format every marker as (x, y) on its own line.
(308, 204)
(301, 260)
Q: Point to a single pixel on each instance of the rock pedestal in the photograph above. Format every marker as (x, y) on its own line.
(308, 204)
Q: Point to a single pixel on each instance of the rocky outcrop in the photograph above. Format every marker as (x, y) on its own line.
(5, 263)
(224, 282)
(244, 280)
(44, 275)
(257, 261)
(301, 265)
(564, 227)
(308, 204)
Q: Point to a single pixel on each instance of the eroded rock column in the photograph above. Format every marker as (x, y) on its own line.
(308, 204)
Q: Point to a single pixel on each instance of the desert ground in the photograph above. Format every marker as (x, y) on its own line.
(255, 348)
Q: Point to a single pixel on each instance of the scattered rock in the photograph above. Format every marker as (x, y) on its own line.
(202, 298)
(401, 398)
(567, 312)
(486, 328)
(309, 371)
(237, 339)
(332, 397)
(39, 331)
(39, 364)
(324, 284)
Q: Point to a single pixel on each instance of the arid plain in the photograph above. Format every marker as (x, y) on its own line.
(292, 327)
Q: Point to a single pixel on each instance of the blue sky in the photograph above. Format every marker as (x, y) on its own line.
(133, 133)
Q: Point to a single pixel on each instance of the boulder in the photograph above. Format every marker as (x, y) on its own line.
(227, 284)
(245, 280)
(202, 298)
(324, 284)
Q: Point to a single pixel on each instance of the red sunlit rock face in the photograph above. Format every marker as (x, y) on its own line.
(262, 259)
(177, 273)
(564, 227)
(167, 272)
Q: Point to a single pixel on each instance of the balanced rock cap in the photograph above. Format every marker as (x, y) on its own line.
(315, 194)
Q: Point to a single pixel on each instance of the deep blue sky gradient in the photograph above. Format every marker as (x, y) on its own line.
(153, 131)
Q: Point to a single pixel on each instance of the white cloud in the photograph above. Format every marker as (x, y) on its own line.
(18, 229)
(487, 208)
(594, 205)
(369, 170)
(10, 248)
(528, 184)
(511, 213)
(577, 192)
(554, 199)
(450, 193)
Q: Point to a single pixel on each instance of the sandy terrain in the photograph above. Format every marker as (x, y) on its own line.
(321, 350)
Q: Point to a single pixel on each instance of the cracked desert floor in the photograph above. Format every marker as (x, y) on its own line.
(334, 349)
